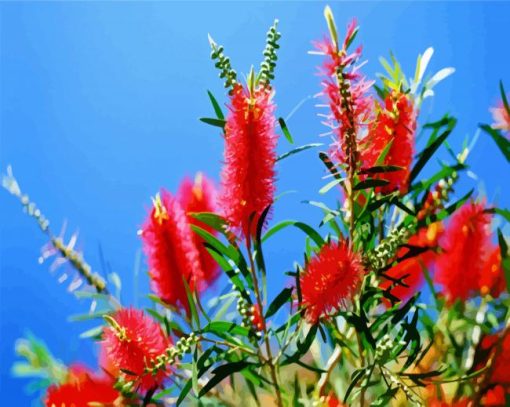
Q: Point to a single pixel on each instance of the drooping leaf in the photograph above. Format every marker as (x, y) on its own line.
(505, 258)
(223, 372)
(370, 183)
(298, 150)
(502, 142)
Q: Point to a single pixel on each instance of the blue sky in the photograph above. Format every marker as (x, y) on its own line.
(100, 104)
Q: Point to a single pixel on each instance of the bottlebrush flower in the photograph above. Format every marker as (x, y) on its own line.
(200, 196)
(495, 397)
(248, 173)
(492, 279)
(501, 118)
(170, 247)
(411, 270)
(83, 389)
(330, 279)
(132, 343)
(466, 244)
(395, 123)
(345, 89)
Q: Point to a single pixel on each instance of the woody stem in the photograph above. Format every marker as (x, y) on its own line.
(270, 361)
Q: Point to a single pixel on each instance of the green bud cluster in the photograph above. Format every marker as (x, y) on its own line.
(387, 249)
(11, 185)
(268, 65)
(383, 348)
(174, 353)
(222, 62)
(79, 264)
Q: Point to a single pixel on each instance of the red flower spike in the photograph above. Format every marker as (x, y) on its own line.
(501, 118)
(82, 389)
(133, 343)
(492, 279)
(396, 124)
(172, 255)
(466, 243)
(248, 174)
(345, 89)
(495, 397)
(413, 267)
(200, 196)
(330, 279)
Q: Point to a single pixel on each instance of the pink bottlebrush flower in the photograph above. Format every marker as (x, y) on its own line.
(330, 279)
(133, 343)
(345, 89)
(395, 123)
(170, 248)
(83, 388)
(492, 279)
(501, 118)
(248, 175)
(200, 196)
(466, 244)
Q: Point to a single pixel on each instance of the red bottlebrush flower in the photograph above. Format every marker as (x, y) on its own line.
(492, 279)
(83, 389)
(395, 123)
(248, 174)
(411, 270)
(345, 90)
(501, 118)
(466, 244)
(132, 343)
(172, 255)
(200, 196)
(495, 397)
(330, 279)
(464, 402)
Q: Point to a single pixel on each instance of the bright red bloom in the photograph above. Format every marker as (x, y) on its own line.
(492, 279)
(169, 244)
(396, 124)
(345, 90)
(464, 402)
(82, 388)
(466, 244)
(200, 196)
(411, 270)
(132, 343)
(495, 397)
(248, 175)
(330, 279)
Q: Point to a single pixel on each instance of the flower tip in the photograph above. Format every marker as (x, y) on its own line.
(212, 43)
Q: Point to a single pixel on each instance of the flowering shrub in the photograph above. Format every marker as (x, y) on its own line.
(402, 294)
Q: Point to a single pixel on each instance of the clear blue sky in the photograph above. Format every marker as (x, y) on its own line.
(100, 105)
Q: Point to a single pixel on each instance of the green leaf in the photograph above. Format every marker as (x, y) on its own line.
(297, 150)
(216, 106)
(192, 303)
(433, 144)
(213, 122)
(95, 332)
(210, 219)
(331, 184)
(221, 373)
(184, 392)
(311, 232)
(505, 258)
(277, 303)
(502, 142)
(370, 183)
(285, 130)
(355, 378)
(222, 327)
(504, 98)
